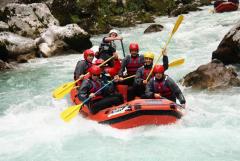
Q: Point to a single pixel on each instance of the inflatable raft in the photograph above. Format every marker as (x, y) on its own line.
(226, 7)
(134, 113)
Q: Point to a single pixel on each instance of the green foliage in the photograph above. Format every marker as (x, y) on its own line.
(75, 19)
(135, 5)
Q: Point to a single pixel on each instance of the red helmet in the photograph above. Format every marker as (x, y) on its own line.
(88, 52)
(94, 69)
(158, 69)
(133, 46)
(99, 61)
(111, 71)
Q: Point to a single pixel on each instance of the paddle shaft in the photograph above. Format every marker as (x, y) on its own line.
(95, 93)
(129, 77)
(123, 49)
(178, 22)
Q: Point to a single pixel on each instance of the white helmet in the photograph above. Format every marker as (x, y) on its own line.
(113, 31)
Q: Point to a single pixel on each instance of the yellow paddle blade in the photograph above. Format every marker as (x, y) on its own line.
(62, 90)
(177, 24)
(70, 112)
(176, 62)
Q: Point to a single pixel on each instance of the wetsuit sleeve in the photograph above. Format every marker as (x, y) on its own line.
(104, 40)
(80, 69)
(139, 78)
(149, 92)
(165, 62)
(142, 59)
(83, 91)
(123, 66)
(176, 90)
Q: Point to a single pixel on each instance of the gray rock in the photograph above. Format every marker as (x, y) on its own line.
(184, 9)
(15, 45)
(154, 28)
(213, 75)
(5, 66)
(228, 51)
(28, 20)
(55, 38)
(3, 3)
(3, 26)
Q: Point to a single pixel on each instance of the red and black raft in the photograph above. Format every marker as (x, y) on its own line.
(134, 113)
(226, 7)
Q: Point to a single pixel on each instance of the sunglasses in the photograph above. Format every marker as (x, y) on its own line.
(96, 75)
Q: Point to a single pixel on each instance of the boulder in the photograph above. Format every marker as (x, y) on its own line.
(211, 76)
(228, 51)
(3, 3)
(5, 66)
(154, 28)
(184, 9)
(55, 38)
(3, 26)
(28, 20)
(25, 57)
(13, 45)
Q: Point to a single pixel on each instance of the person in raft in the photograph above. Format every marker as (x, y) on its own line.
(83, 65)
(108, 74)
(162, 86)
(102, 99)
(143, 72)
(131, 63)
(108, 48)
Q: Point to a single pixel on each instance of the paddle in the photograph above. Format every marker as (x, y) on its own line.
(123, 48)
(65, 88)
(68, 114)
(177, 24)
(176, 62)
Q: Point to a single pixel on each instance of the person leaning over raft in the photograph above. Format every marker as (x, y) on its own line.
(83, 65)
(162, 85)
(108, 48)
(102, 99)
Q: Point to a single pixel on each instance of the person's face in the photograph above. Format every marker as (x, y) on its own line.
(159, 75)
(113, 35)
(133, 52)
(148, 61)
(90, 58)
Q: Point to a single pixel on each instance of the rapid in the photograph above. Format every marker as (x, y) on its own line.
(31, 129)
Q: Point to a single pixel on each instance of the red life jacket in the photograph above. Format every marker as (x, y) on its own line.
(146, 73)
(95, 87)
(162, 88)
(117, 64)
(133, 64)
